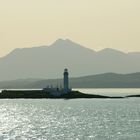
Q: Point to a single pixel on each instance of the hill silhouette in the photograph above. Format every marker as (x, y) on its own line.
(49, 61)
(107, 80)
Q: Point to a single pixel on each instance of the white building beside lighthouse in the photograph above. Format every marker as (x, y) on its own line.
(58, 91)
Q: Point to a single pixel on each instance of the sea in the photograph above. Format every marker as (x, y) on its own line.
(74, 119)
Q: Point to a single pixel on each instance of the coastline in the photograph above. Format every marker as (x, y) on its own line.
(39, 94)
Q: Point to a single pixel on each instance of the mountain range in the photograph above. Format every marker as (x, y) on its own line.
(47, 62)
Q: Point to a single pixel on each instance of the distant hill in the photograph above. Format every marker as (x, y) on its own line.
(49, 61)
(107, 80)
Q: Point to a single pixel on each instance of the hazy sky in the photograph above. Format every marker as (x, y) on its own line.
(96, 24)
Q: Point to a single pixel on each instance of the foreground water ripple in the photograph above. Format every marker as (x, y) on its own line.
(80, 119)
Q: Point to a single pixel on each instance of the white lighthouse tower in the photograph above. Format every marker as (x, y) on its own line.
(66, 81)
(56, 91)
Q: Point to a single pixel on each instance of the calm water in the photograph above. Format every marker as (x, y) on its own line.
(78, 119)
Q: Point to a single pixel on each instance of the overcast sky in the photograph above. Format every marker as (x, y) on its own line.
(96, 24)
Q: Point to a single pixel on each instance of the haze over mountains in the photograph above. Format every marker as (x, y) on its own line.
(49, 61)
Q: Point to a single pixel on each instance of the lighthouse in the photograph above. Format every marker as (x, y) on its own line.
(66, 81)
(56, 91)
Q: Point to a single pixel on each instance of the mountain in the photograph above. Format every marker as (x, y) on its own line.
(107, 80)
(49, 61)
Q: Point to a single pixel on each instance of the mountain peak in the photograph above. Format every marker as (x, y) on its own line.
(62, 41)
(110, 51)
(59, 41)
(62, 44)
